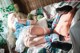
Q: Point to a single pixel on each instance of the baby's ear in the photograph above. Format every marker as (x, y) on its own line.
(14, 14)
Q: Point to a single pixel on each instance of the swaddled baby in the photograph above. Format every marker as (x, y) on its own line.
(26, 39)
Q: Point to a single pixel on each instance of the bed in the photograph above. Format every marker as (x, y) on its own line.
(51, 12)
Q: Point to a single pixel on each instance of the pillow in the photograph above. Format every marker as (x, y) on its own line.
(33, 12)
(64, 23)
(42, 22)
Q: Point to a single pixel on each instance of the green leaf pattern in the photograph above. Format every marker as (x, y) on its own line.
(6, 7)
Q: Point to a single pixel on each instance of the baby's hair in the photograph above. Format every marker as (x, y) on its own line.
(65, 8)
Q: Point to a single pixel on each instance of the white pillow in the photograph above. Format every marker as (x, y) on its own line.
(42, 22)
(33, 12)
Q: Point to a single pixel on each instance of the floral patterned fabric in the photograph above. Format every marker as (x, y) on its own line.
(6, 7)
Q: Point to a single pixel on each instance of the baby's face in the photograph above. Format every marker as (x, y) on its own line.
(21, 20)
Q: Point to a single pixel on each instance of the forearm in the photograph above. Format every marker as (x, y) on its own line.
(39, 40)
